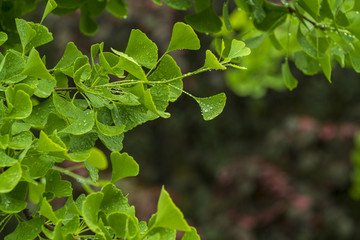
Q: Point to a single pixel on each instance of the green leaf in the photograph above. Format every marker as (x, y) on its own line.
(16, 198)
(269, 16)
(226, 16)
(70, 55)
(5, 160)
(90, 210)
(310, 6)
(114, 201)
(166, 70)
(124, 226)
(123, 166)
(26, 33)
(54, 184)
(212, 106)
(305, 63)
(130, 65)
(118, 8)
(148, 102)
(35, 67)
(97, 159)
(38, 166)
(183, 37)
(47, 211)
(93, 171)
(83, 124)
(238, 49)
(22, 106)
(205, 21)
(10, 178)
(45, 88)
(19, 127)
(21, 141)
(113, 143)
(48, 145)
(192, 235)
(88, 26)
(289, 80)
(212, 62)
(109, 130)
(50, 6)
(178, 4)
(13, 64)
(142, 49)
(201, 5)
(157, 2)
(27, 230)
(325, 63)
(168, 215)
(3, 38)
(305, 45)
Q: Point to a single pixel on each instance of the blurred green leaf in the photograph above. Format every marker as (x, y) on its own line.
(289, 80)
(97, 159)
(206, 21)
(90, 210)
(178, 4)
(192, 235)
(14, 201)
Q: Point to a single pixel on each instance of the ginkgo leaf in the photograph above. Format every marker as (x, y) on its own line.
(142, 49)
(123, 166)
(212, 62)
(212, 106)
(168, 215)
(183, 37)
(50, 6)
(289, 79)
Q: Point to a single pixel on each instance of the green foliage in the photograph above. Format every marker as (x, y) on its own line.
(44, 122)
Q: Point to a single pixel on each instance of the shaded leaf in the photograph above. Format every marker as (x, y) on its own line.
(289, 80)
(27, 230)
(205, 21)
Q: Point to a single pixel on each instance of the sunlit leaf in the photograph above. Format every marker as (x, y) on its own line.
(123, 166)
(183, 37)
(169, 215)
(212, 62)
(212, 106)
(10, 178)
(142, 49)
(97, 159)
(50, 6)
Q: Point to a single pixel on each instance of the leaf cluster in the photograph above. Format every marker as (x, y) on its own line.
(52, 115)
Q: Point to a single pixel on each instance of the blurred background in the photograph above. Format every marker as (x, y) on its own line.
(274, 165)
